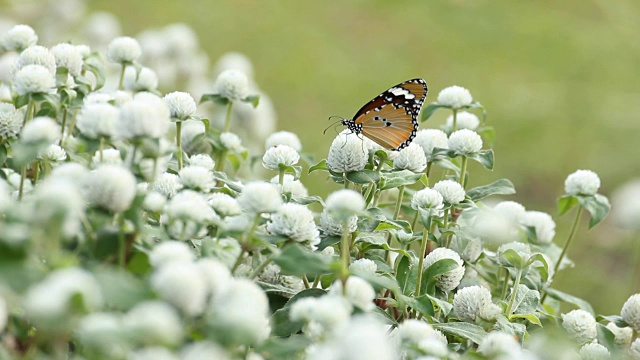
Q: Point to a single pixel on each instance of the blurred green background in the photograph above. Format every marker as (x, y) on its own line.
(560, 81)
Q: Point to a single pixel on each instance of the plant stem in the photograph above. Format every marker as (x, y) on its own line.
(72, 126)
(179, 142)
(23, 176)
(227, 122)
(124, 67)
(445, 225)
(463, 170)
(423, 249)
(396, 211)
(516, 283)
(220, 160)
(455, 120)
(346, 181)
(307, 285)
(428, 170)
(238, 261)
(261, 267)
(122, 250)
(101, 148)
(281, 179)
(505, 286)
(36, 173)
(64, 124)
(345, 255)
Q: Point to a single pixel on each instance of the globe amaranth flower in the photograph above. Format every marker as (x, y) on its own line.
(359, 292)
(291, 185)
(412, 332)
(497, 345)
(58, 202)
(465, 142)
(280, 154)
(123, 50)
(102, 332)
(143, 79)
(173, 280)
(33, 79)
(152, 352)
(321, 315)
(202, 160)
(594, 351)
(231, 141)
(68, 56)
(109, 157)
(224, 205)
(40, 130)
(169, 251)
(36, 55)
(143, 117)
(451, 279)
(283, 138)
(215, 273)
(429, 139)
(634, 349)
(204, 349)
(10, 121)
(98, 119)
(296, 222)
(197, 178)
(451, 191)
(52, 153)
(455, 97)
(580, 325)
(188, 205)
(154, 201)
(474, 302)
(154, 322)
(411, 158)
(232, 85)
(510, 209)
(523, 250)
(622, 335)
(181, 104)
(259, 197)
(168, 184)
(427, 199)
(111, 187)
(363, 266)
(347, 153)
(464, 120)
(584, 182)
(543, 223)
(98, 98)
(344, 203)
(333, 227)
(19, 38)
(631, 312)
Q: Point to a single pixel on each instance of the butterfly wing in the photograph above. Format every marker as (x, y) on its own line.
(391, 118)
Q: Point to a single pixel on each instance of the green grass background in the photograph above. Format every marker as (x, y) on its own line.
(560, 81)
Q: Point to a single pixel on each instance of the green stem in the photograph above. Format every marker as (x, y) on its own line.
(23, 176)
(463, 170)
(514, 293)
(445, 226)
(239, 261)
(220, 160)
(281, 179)
(264, 264)
(305, 281)
(28, 113)
(428, 170)
(316, 281)
(396, 211)
(415, 220)
(346, 182)
(64, 125)
(101, 148)
(124, 67)
(227, 122)
(423, 249)
(122, 249)
(505, 285)
(455, 120)
(133, 155)
(36, 173)
(72, 126)
(179, 142)
(345, 255)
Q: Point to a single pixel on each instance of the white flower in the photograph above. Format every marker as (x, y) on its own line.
(582, 182)
(231, 141)
(111, 187)
(321, 314)
(224, 205)
(296, 222)
(121, 97)
(344, 203)
(328, 251)
(283, 138)
(70, 171)
(140, 80)
(123, 50)
(33, 79)
(10, 121)
(241, 313)
(19, 38)
(428, 139)
(455, 97)
(202, 160)
(427, 199)
(594, 351)
(634, 350)
(414, 331)
(52, 153)
(511, 210)
(359, 292)
(631, 311)
(154, 201)
(152, 353)
(36, 55)
(102, 332)
(465, 142)
(173, 280)
(258, 197)
(216, 275)
(232, 84)
(197, 178)
(68, 56)
(154, 322)
(83, 50)
(97, 98)
(347, 153)
(411, 158)
(189, 205)
(543, 223)
(109, 157)
(142, 118)
(473, 302)
(523, 250)
(623, 335)
(451, 191)
(98, 119)
(181, 104)
(449, 280)
(202, 350)
(280, 154)
(363, 267)
(580, 325)
(333, 227)
(167, 184)
(464, 120)
(290, 185)
(169, 251)
(625, 209)
(497, 344)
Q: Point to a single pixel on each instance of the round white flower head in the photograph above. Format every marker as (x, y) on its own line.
(154, 322)
(98, 119)
(202, 160)
(154, 201)
(10, 121)
(97, 98)
(121, 97)
(449, 280)
(70, 171)
(19, 38)
(344, 203)
(215, 273)
(167, 184)
(102, 332)
(625, 209)
(296, 222)
(241, 312)
(181, 104)
(498, 345)
(474, 302)
(464, 120)
(36, 55)
(414, 331)
(622, 335)
(455, 97)
(83, 50)
(197, 178)
(584, 182)
(52, 153)
(631, 311)
(68, 56)
(359, 292)
(109, 157)
(231, 141)
(333, 227)
(173, 280)
(111, 187)
(321, 314)
(283, 138)
(451, 191)
(427, 199)
(328, 251)
(143, 80)
(169, 251)
(521, 248)
(41, 129)
(411, 158)
(580, 325)
(152, 353)
(465, 142)
(258, 197)
(123, 49)
(33, 79)
(205, 350)
(224, 205)
(430, 139)
(189, 205)
(594, 351)
(143, 118)
(232, 84)
(543, 223)
(363, 266)
(347, 153)
(289, 184)
(634, 349)
(280, 154)
(511, 210)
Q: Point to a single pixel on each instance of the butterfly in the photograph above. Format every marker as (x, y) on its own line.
(391, 118)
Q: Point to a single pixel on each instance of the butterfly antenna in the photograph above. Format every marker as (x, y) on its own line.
(333, 124)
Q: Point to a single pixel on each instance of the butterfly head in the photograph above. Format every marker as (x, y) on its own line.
(352, 126)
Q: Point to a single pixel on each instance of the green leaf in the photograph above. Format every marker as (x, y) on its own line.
(322, 165)
(3, 155)
(254, 100)
(282, 324)
(306, 200)
(139, 263)
(438, 268)
(369, 222)
(499, 187)
(428, 110)
(396, 179)
(562, 296)
(444, 305)
(363, 176)
(532, 318)
(509, 327)
(293, 170)
(422, 304)
(21, 100)
(526, 301)
(284, 347)
(512, 258)
(394, 224)
(483, 157)
(120, 289)
(407, 273)
(606, 338)
(462, 329)
(380, 282)
(215, 98)
(543, 268)
(597, 205)
(295, 260)
(566, 203)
